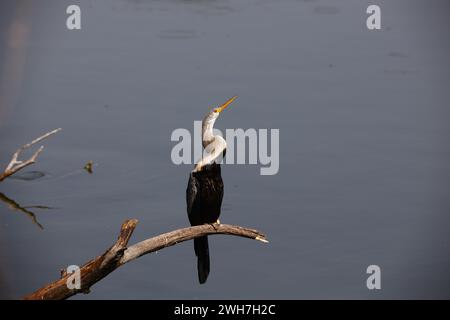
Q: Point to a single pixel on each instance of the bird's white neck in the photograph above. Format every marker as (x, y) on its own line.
(213, 153)
(208, 128)
(213, 145)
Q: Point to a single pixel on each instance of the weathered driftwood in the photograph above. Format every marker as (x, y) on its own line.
(119, 254)
(16, 165)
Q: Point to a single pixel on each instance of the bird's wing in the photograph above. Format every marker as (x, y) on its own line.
(191, 192)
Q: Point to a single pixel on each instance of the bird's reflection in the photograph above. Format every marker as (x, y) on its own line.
(204, 192)
(13, 205)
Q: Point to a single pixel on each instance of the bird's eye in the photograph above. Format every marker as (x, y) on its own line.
(215, 110)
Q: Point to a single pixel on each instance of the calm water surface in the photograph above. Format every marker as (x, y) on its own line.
(364, 143)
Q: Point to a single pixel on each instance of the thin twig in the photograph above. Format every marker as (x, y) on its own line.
(119, 254)
(16, 165)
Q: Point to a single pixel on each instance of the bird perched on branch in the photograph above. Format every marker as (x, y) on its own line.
(204, 192)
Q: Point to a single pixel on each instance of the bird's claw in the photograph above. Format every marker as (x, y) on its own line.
(215, 225)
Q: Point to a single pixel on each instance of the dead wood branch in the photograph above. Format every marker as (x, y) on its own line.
(119, 254)
(16, 165)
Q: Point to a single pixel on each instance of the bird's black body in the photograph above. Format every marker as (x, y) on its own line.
(204, 195)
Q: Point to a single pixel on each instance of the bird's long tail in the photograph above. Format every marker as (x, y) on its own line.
(202, 253)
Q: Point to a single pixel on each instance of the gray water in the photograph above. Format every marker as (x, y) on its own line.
(364, 144)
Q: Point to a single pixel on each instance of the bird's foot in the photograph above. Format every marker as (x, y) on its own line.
(215, 225)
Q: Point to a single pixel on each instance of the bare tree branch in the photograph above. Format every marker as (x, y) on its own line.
(119, 254)
(16, 165)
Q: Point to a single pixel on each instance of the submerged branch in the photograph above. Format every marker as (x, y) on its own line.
(119, 254)
(16, 165)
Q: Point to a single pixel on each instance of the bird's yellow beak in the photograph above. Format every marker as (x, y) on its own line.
(226, 104)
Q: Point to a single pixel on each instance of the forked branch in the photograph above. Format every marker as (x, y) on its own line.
(119, 254)
(15, 164)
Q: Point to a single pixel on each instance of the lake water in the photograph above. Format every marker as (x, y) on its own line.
(364, 144)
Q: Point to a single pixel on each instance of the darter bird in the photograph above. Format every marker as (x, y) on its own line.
(204, 192)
